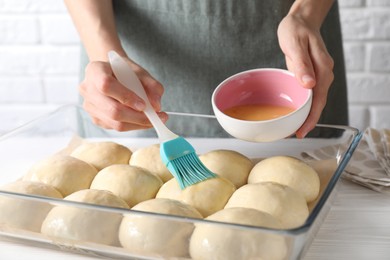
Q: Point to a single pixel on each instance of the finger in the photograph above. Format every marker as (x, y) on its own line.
(118, 126)
(117, 116)
(106, 122)
(153, 88)
(110, 109)
(95, 101)
(289, 64)
(322, 60)
(121, 126)
(323, 64)
(298, 58)
(318, 104)
(101, 77)
(113, 88)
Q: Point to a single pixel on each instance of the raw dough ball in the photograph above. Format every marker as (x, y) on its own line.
(286, 204)
(24, 213)
(170, 190)
(65, 173)
(132, 184)
(78, 223)
(288, 171)
(150, 159)
(207, 196)
(212, 242)
(232, 165)
(147, 235)
(102, 154)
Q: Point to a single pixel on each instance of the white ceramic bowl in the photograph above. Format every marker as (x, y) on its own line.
(262, 86)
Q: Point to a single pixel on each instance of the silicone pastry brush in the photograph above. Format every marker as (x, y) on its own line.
(177, 153)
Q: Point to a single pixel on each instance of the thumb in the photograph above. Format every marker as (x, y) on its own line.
(300, 63)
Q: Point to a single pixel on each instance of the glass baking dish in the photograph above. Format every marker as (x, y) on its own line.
(59, 130)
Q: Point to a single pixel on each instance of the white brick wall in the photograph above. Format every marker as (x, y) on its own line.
(366, 35)
(39, 60)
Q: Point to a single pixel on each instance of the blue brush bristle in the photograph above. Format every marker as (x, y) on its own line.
(181, 160)
(189, 170)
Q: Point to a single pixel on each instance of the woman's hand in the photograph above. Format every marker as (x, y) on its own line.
(111, 105)
(307, 57)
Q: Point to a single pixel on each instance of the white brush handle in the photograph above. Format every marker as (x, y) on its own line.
(126, 76)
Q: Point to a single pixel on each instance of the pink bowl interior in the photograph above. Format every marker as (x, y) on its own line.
(271, 87)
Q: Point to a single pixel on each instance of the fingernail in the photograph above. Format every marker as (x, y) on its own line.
(139, 105)
(157, 103)
(164, 117)
(302, 134)
(306, 79)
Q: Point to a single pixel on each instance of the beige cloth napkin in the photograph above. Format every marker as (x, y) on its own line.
(370, 164)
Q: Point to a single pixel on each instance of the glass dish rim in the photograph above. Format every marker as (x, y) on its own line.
(355, 134)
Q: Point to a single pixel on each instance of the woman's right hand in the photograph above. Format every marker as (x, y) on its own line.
(111, 105)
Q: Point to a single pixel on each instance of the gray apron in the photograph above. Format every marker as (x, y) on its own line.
(191, 46)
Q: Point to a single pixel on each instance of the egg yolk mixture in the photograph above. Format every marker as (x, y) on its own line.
(257, 112)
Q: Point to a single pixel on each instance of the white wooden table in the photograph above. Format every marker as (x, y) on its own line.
(357, 226)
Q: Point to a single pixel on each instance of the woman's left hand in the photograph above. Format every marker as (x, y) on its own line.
(307, 57)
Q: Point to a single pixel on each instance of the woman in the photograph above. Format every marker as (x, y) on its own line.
(184, 49)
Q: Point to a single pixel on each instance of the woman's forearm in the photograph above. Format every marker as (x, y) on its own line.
(313, 11)
(95, 23)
